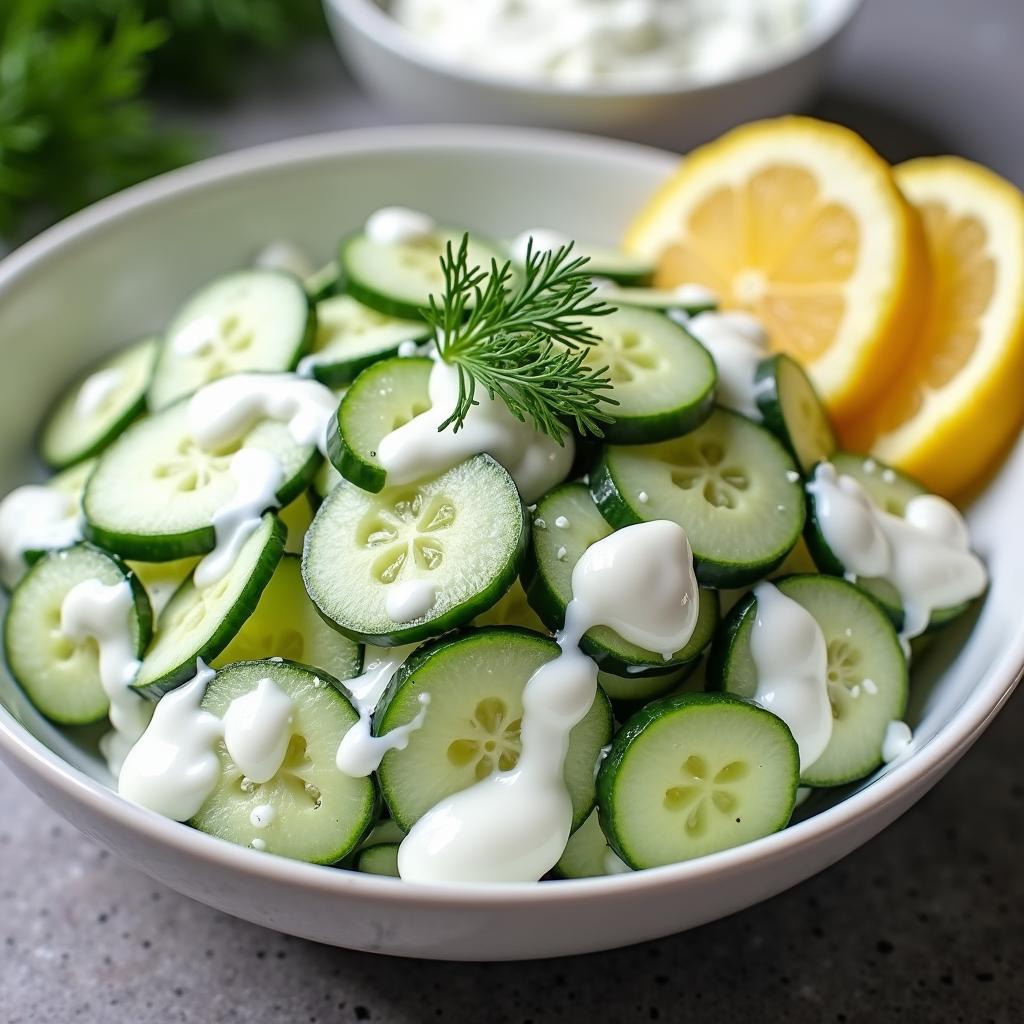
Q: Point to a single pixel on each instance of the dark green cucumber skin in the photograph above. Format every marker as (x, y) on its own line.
(721, 648)
(365, 850)
(143, 616)
(325, 290)
(453, 618)
(826, 561)
(622, 278)
(769, 402)
(370, 476)
(273, 552)
(336, 375)
(201, 541)
(626, 707)
(710, 572)
(426, 653)
(634, 727)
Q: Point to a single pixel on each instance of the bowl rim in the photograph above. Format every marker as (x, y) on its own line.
(371, 19)
(22, 750)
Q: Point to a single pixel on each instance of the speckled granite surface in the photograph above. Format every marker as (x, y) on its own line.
(926, 924)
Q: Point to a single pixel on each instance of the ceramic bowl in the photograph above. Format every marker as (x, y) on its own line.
(679, 114)
(120, 268)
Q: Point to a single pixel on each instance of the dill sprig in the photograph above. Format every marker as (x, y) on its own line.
(524, 341)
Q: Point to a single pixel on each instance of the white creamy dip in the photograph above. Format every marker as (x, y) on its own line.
(34, 518)
(286, 256)
(513, 826)
(398, 225)
(925, 554)
(96, 389)
(898, 739)
(737, 343)
(791, 659)
(257, 728)
(580, 42)
(418, 449)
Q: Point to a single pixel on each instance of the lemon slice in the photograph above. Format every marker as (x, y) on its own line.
(799, 222)
(960, 399)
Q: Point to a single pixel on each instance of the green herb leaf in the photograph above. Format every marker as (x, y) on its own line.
(525, 342)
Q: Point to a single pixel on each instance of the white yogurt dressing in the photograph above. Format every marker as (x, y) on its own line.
(96, 389)
(258, 477)
(262, 816)
(34, 518)
(737, 343)
(174, 766)
(925, 554)
(898, 738)
(398, 225)
(791, 659)
(359, 752)
(409, 600)
(579, 42)
(282, 254)
(93, 610)
(257, 728)
(419, 449)
(513, 825)
(690, 294)
(544, 240)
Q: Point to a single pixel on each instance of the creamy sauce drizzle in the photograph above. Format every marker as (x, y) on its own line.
(737, 343)
(96, 389)
(257, 728)
(925, 554)
(281, 254)
(418, 449)
(898, 739)
(409, 600)
(34, 518)
(513, 825)
(791, 659)
(93, 610)
(398, 225)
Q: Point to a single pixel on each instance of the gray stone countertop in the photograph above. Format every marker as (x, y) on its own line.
(925, 924)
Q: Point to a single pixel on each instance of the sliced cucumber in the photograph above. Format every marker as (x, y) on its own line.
(398, 278)
(603, 261)
(475, 682)
(690, 300)
(867, 672)
(59, 675)
(97, 409)
(199, 622)
(322, 283)
(296, 518)
(512, 610)
(162, 579)
(565, 524)
(637, 689)
(286, 624)
(351, 336)
(383, 398)
(792, 410)
(693, 774)
(379, 859)
(316, 813)
(326, 479)
(154, 491)
(587, 852)
(730, 484)
(250, 320)
(664, 379)
(890, 490)
(457, 539)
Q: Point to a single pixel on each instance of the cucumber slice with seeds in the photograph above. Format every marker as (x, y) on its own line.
(199, 622)
(890, 490)
(384, 397)
(792, 410)
(398, 279)
(867, 672)
(251, 320)
(286, 624)
(664, 379)
(59, 675)
(462, 533)
(381, 859)
(154, 492)
(351, 336)
(97, 409)
(72, 482)
(730, 484)
(317, 813)
(475, 682)
(694, 774)
(565, 524)
(663, 300)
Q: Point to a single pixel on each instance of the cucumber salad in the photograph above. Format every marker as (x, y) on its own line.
(466, 560)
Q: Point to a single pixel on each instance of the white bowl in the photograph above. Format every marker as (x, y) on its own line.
(390, 63)
(120, 268)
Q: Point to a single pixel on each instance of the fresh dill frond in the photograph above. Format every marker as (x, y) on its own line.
(523, 341)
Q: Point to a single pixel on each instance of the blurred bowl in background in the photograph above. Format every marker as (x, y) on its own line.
(396, 67)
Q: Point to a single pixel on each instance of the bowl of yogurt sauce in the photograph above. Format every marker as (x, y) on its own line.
(671, 72)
